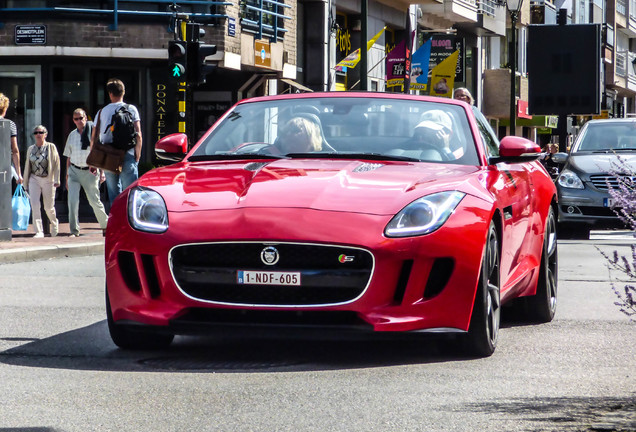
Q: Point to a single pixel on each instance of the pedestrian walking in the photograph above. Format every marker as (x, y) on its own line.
(115, 183)
(80, 176)
(15, 152)
(42, 177)
(463, 94)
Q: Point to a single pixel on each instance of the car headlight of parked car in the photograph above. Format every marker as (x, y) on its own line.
(569, 179)
(424, 215)
(147, 211)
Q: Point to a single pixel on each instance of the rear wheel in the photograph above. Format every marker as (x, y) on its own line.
(484, 323)
(126, 338)
(541, 307)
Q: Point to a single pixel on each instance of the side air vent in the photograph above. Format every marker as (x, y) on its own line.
(129, 270)
(438, 277)
(400, 288)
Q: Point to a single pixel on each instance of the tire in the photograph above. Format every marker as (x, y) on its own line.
(483, 331)
(130, 339)
(541, 307)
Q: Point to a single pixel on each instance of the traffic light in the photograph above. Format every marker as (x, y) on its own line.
(197, 69)
(177, 60)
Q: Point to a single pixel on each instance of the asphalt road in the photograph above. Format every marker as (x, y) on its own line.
(60, 372)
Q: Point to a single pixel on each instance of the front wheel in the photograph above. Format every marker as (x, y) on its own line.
(483, 331)
(541, 307)
(126, 338)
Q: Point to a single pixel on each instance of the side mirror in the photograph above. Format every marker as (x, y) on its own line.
(513, 149)
(560, 157)
(172, 148)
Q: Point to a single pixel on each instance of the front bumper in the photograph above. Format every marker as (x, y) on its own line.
(422, 283)
(588, 206)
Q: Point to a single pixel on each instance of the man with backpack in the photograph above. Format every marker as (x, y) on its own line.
(119, 124)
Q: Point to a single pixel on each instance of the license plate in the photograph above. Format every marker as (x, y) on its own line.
(608, 202)
(268, 278)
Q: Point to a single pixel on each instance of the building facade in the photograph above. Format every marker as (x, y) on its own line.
(56, 55)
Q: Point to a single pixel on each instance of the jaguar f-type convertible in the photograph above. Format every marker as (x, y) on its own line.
(353, 212)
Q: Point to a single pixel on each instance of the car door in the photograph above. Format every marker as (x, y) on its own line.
(511, 186)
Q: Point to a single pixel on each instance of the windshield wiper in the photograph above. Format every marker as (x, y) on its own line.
(369, 156)
(228, 156)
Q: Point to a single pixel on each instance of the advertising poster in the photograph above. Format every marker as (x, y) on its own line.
(443, 76)
(419, 69)
(396, 65)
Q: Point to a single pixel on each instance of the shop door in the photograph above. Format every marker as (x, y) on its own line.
(20, 88)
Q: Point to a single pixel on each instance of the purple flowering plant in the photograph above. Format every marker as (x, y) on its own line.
(624, 198)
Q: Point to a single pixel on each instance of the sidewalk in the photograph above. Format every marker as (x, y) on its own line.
(23, 247)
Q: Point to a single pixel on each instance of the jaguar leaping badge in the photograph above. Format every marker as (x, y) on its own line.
(270, 255)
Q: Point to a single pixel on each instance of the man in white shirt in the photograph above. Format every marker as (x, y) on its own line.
(116, 183)
(80, 175)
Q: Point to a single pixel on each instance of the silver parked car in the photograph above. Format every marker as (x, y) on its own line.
(590, 168)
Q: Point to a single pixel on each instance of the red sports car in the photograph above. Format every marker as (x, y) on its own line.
(343, 211)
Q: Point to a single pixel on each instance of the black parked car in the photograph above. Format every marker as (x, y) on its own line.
(589, 170)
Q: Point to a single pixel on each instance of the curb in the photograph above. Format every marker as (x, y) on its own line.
(46, 252)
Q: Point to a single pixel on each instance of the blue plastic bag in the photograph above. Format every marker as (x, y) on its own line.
(21, 209)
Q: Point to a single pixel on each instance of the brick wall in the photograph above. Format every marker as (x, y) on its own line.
(94, 34)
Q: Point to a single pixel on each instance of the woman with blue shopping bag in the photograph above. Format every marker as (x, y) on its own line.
(42, 176)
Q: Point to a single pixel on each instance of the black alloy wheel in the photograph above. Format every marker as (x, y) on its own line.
(483, 332)
(541, 307)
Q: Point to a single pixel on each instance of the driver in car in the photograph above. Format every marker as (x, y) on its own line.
(299, 135)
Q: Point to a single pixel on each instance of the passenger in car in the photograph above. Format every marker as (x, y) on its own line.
(439, 117)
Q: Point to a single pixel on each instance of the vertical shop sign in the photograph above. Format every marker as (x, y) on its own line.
(442, 47)
(160, 110)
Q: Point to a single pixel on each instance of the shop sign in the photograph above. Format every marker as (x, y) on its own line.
(262, 53)
(231, 26)
(443, 47)
(522, 109)
(30, 35)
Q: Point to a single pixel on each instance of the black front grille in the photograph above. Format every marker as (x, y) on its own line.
(329, 274)
(601, 181)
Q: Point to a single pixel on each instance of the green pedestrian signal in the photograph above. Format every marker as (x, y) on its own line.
(178, 71)
(177, 60)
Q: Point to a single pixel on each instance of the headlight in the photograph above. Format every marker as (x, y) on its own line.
(568, 179)
(147, 211)
(424, 215)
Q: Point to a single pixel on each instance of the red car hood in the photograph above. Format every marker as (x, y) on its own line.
(335, 185)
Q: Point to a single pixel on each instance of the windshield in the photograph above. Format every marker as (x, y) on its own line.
(607, 136)
(343, 127)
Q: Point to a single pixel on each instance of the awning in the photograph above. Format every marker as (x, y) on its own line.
(296, 85)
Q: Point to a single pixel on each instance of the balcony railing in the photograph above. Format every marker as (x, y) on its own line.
(621, 63)
(621, 7)
(264, 18)
(203, 11)
(487, 7)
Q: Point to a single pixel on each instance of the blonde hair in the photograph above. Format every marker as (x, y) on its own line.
(302, 126)
(464, 90)
(4, 103)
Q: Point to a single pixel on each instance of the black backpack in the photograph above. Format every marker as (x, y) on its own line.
(122, 127)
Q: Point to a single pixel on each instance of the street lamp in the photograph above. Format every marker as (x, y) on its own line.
(513, 6)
